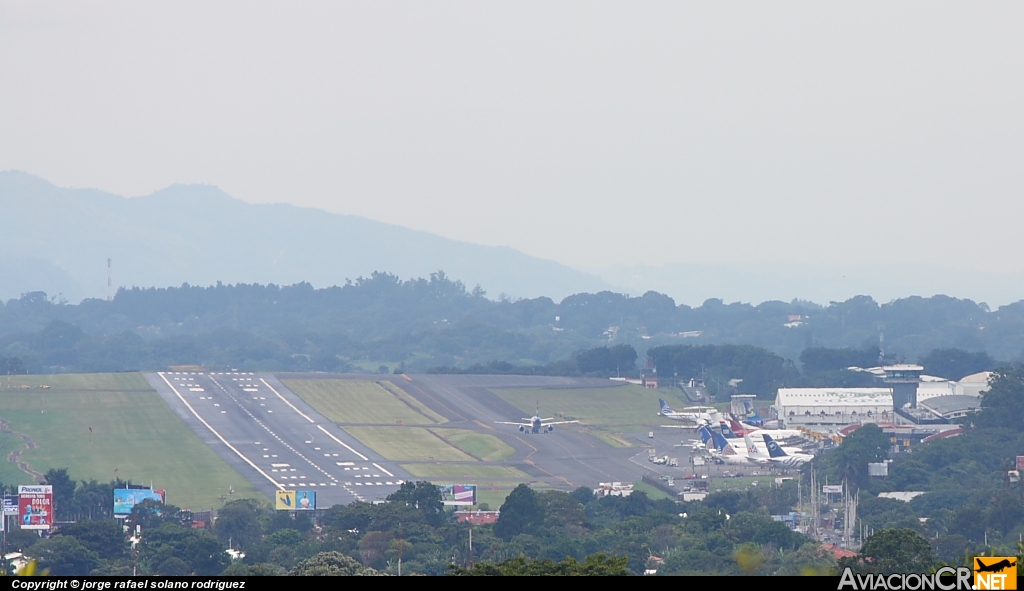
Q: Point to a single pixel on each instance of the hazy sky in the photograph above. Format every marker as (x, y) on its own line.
(594, 134)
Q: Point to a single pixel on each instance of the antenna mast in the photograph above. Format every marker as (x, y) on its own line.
(110, 283)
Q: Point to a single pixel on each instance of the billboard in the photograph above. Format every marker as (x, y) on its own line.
(35, 506)
(458, 494)
(126, 498)
(10, 505)
(284, 500)
(295, 500)
(832, 489)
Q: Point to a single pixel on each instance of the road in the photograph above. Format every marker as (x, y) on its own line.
(274, 439)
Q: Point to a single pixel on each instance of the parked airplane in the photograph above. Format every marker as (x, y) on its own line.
(776, 455)
(750, 417)
(736, 430)
(724, 450)
(536, 424)
(697, 415)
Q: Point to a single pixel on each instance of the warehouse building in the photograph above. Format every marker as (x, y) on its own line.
(934, 401)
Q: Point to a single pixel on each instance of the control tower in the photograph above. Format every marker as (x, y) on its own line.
(903, 379)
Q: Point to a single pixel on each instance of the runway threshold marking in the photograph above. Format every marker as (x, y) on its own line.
(286, 401)
(219, 436)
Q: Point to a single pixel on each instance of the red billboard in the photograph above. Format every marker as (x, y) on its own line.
(35, 506)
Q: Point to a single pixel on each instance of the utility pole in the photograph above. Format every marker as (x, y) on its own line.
(814, 504)
(470, 545)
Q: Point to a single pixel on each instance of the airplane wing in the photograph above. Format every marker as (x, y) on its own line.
(558, 423)
(513, 423)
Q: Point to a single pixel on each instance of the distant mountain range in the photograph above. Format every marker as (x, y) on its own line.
(58, 240)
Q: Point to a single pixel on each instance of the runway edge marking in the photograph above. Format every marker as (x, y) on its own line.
(214, 431)
(348, 447)
(286, 401)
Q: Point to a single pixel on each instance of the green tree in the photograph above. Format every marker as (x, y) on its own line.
(520, 513)
(63, 490)
(238, 523)
(893, 551)
(173, 567)
(811, 559)
(64, 555)
(104, 537)
(620, 359)
(561, 509)
(954, 364)
(331, 564)
(597, 565)
(850, 460)
(1003, 404)
(426, 497)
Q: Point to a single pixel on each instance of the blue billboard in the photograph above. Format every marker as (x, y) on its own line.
(305, 500)
(126, 498)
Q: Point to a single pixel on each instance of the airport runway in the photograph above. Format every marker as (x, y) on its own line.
(564, 459)
(276, 440)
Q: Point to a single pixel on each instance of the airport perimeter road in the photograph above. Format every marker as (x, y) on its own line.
(275, 439)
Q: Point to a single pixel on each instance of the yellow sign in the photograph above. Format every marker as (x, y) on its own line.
(286, 501)
(995, 572)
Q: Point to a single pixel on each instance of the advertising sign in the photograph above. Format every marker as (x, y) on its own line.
(305, 500)
(284, 500)
(295, 500)
(126, 498)
(10, 505)
(832, 489)
(35, 506)
(458, 494)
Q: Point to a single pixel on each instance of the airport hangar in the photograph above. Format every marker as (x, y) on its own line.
(926, 401)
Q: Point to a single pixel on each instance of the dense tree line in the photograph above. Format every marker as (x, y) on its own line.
(548, 532)
(437, 322)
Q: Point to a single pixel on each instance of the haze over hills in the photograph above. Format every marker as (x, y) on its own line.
(754, 282)
(58, 240)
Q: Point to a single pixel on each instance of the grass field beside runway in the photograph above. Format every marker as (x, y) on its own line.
(408, 444)
(621, 409)
(133, 430)
(486, 447)
(362, 401)
(469, 472)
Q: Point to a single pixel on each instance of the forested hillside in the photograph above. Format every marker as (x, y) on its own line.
(420, 324)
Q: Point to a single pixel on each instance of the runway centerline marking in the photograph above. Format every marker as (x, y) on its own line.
(268, 430)
(219, 436)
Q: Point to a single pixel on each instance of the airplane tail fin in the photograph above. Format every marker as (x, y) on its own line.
(664, 406)
(705, 435)
(773, 448)
(719, 441)
(751, 450)
(726, 431)
(735, 425)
